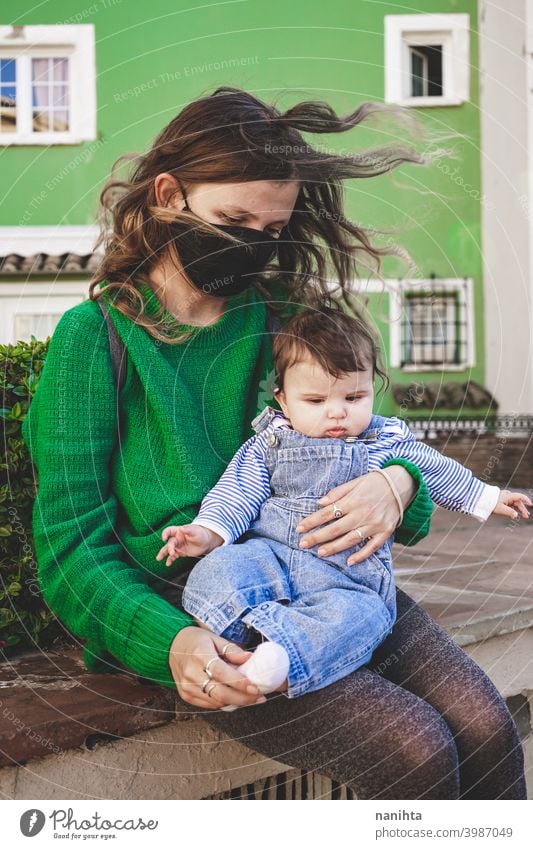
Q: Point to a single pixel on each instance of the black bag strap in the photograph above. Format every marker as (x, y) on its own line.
(273, 323)
(116, 347)
(119, 354)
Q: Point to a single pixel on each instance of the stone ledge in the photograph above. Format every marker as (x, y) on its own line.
(50, 703)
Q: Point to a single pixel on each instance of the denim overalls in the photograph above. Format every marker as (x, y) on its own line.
(328, 616)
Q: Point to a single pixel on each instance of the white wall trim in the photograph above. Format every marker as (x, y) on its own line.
(53, 240)
(450, 30)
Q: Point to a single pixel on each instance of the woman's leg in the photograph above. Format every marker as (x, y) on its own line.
(363, 731)
(421, 657)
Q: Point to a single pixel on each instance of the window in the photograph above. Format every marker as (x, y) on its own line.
(432, 332)
(432, 325)
(47, 85)
(427, 59)
(426, 71)
(35, 308)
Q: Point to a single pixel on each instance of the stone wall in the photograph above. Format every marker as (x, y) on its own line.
(503, 460)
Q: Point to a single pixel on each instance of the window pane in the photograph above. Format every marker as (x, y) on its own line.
(60, 96)
(418, 74)
(40, 95)
(61, 70)
(50, 95)
(426, 70)
(8, 93)
(41, 122)
(40, 71)
(60, 121)
(8, 71)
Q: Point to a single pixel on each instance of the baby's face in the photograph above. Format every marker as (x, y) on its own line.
(320, 405)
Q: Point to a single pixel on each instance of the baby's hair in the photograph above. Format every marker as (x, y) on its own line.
(337, 341)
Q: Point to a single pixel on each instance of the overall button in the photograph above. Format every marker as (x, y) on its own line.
(272, 439)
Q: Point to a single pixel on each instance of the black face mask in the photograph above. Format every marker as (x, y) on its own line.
(221, 268)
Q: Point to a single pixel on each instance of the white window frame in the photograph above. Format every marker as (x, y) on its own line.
(404, 31)
(397, 290)
(35, 42)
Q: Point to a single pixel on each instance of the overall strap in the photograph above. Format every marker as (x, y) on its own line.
(117, 348)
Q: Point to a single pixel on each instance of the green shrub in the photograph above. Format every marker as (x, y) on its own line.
(25, 620)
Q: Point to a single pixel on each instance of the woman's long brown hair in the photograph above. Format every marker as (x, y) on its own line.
(231, 136)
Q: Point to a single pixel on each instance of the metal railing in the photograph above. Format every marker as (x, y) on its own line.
(509, 426)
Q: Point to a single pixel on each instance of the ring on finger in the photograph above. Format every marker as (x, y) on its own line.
(204, 685)
(226, 647)
(206, 667)
(209, 691)
(337, 512)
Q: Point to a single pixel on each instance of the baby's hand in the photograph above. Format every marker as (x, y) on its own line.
(507, 500)
(187, 541)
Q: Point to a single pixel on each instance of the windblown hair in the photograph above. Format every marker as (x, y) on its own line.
(232, 136)
(338, 342)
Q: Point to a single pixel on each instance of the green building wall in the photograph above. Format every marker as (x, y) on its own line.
(151, 64)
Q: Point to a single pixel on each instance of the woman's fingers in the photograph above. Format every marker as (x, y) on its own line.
(229, 651)
(319, 517)
(332, 532)
(371, 546)
(220, 696)
(229, 675)
(351, 539)
(336, 493)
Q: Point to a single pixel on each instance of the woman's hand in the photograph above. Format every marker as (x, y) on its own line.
(368, 505)
(192, 648)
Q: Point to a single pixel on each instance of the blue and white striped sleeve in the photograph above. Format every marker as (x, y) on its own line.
(450, 484)
(234, 502)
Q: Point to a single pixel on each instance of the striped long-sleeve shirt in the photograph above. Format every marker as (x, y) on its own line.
(234, 502)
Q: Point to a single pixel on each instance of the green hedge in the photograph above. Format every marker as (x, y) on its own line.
(25, 620)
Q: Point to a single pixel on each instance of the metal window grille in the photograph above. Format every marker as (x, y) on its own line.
(291, 785)
(434, 327)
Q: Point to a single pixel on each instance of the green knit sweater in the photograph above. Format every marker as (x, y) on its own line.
(105, 493)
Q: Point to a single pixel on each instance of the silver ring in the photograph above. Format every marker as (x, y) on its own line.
(357, 531)
(204, 685)
(213, 685)
(224, 650)
(206, 667)
(337, 514)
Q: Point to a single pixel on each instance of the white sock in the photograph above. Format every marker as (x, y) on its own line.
(267, 668)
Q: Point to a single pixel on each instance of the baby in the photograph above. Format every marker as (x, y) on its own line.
(320, 618)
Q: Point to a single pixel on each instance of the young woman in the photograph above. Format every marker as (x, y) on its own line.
(232, 195)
